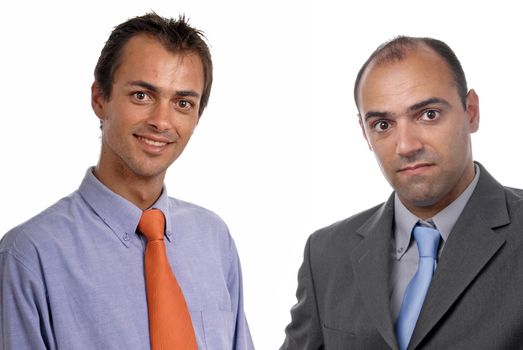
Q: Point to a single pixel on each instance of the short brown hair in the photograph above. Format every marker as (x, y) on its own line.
(175, 35)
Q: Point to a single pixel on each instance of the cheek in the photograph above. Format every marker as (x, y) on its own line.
(383, 150)
(385, 158)
(455, 142)
(126, 112)
(186, 128)
(113, 127)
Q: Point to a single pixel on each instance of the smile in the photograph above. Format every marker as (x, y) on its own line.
(152, 142)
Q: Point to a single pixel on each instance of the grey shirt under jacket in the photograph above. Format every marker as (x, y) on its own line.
(404, 251)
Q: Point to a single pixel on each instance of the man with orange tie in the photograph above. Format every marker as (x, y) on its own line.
(118, 264)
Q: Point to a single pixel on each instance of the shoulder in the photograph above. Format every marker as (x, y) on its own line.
(182, 210)
(26, 248)
(514, 194)
(204, 234)
(37, 232)
(345, 230)
(514, 198)
(200, 223)
(489, 189)
(490, 196)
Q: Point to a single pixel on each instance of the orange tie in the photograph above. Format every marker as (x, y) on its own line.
(170, 326)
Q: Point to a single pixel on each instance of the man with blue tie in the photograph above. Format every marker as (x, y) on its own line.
(439, 264)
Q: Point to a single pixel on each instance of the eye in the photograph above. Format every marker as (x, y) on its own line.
(430, 114)
(381, 125)
(184, 104)
(140, 96)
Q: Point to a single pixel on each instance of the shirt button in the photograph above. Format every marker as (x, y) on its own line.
(168, 233)
(400, 250)
(126, 237)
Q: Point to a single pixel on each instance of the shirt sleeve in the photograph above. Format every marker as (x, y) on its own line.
(304, 332)
(242, 337)
(24, 313)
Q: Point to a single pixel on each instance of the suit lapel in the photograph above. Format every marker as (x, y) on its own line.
(371, 265)
(469, 248)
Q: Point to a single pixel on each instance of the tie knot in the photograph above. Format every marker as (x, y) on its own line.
(427, 240)
(152, 224)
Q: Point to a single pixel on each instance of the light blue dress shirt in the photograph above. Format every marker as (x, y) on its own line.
(73, 276)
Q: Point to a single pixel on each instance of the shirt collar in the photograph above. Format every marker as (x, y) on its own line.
(120, 215)
(444, 220)
(164, 204)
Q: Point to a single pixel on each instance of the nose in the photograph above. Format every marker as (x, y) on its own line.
(161, 116)
(408, 140)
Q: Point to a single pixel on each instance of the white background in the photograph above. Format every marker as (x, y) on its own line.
(278, 153)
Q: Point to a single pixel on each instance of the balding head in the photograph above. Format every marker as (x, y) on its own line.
(398, 48)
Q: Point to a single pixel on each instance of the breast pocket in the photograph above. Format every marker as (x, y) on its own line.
(362, 339)
(338, 340)
(218, 329)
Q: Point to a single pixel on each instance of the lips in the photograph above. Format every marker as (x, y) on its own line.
(155, 140)
(152, 142)
(415, 168)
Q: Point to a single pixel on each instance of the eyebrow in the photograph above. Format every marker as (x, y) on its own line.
(429, 101)
(376, 114)
(143, 84)
(187, 93)
(151, 87)
(414, 107)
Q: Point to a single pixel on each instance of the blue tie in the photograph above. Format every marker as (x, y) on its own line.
(427, 240)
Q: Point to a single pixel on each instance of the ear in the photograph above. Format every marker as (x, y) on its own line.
(97, 101)
(472, 103)
(362, 126)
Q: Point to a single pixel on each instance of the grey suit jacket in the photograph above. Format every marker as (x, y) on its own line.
(475, 300)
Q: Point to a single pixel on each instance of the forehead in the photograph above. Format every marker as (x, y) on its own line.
(143, 57)
(421, 74)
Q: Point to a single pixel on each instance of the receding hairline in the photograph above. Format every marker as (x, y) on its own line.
(396, 54)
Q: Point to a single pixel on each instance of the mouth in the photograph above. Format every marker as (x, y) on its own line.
(152, 142)
(415, 168)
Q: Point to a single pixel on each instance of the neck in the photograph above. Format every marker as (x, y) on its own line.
(426, 213)
(141, 191)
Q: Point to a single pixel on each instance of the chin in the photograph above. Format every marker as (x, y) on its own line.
(150, 168)
(148, 171)
(420, 198)
(423, 203)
